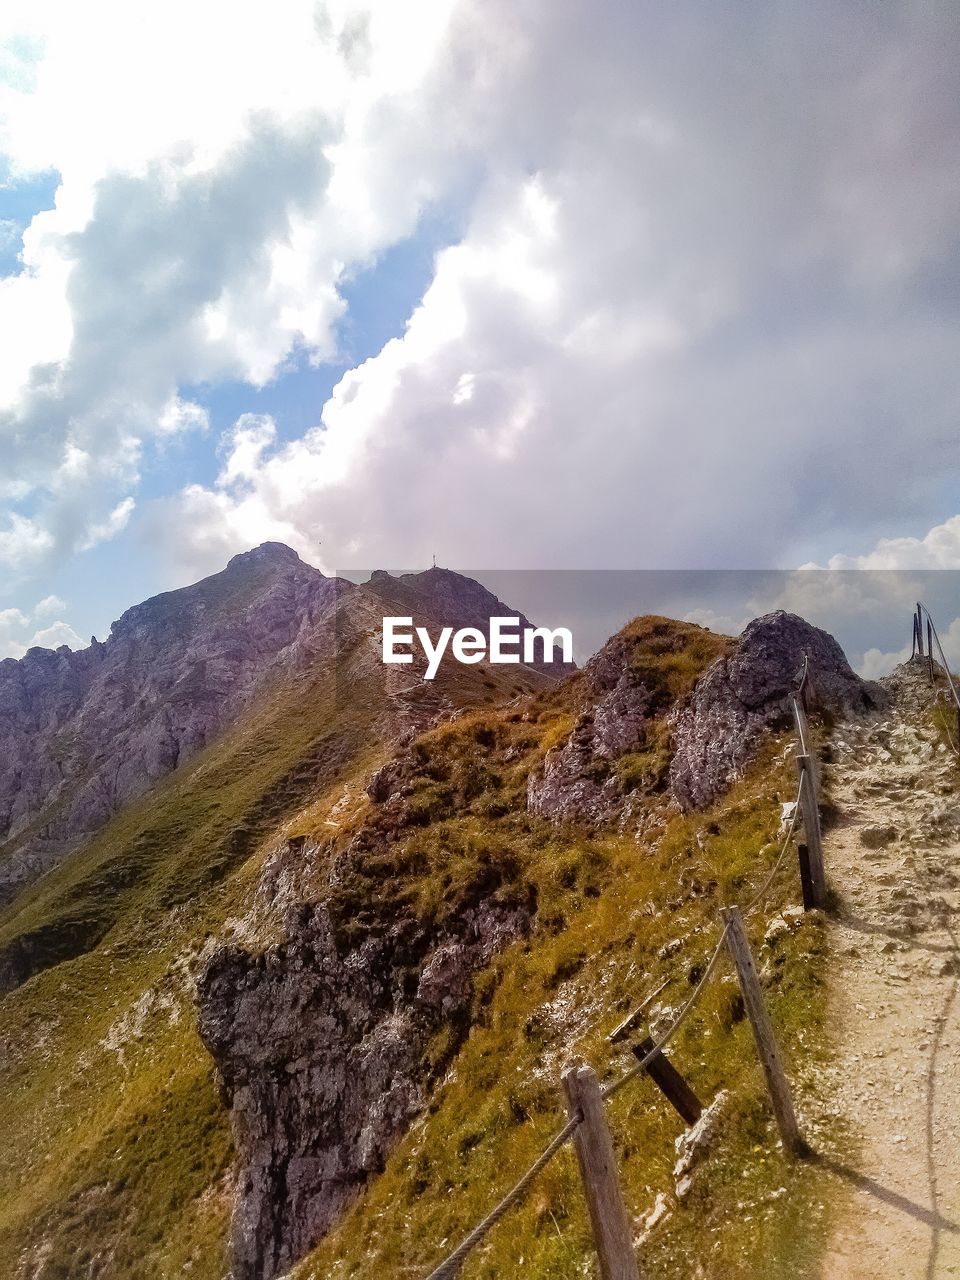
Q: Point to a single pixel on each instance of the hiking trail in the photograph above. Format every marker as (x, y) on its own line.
(893, 857)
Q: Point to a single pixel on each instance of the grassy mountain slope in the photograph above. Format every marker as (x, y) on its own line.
(117, 1159)
(116, 1153)
(615, 919)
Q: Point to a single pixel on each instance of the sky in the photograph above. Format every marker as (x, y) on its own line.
(536, 284)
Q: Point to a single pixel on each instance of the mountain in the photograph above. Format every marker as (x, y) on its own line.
(302, 997)
(82, 734)
(481, 839)
(449, 599)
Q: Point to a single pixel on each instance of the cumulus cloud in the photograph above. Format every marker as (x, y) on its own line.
(695, 317)
(104, 530)
(182, 415)
(18, 630)
(937, 549)
(701, 313)
(48, 606)
(197, 236)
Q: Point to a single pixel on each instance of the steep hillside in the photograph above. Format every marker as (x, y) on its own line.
(515, 880)
(82, 734)
(308, 997)
(114, 1138)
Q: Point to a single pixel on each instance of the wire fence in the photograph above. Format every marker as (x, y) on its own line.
(809, 815)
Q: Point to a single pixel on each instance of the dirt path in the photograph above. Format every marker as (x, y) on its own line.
(894, 858)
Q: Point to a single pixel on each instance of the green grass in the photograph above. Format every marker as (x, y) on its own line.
(116, 1160)
(609, 910)
(116, 1153)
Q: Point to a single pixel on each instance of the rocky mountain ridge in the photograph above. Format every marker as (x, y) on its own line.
(84, 733)
(322, 1040)
(391, 907)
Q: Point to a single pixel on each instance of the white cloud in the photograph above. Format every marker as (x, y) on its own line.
(937, 549)
(56, 634)
(15, 630)
(697, 316)
(182, 415)
(48, 606)
(661, 339)
(723, 623)
(877, 663)
(197, 235)
(244, 446)
(104, 530)
(23, 542)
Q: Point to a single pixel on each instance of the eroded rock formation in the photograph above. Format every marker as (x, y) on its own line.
(747, 691)
(323, 1045)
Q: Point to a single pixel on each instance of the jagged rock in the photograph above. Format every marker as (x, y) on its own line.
(322, 1053)
(748, 691)
(694, 1142)
(577, 781)
(385, 780)
(877, 835)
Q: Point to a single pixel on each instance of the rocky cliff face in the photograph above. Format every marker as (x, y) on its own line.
(82, 734)
(618, 750)
(323, 1046)
(748, 691)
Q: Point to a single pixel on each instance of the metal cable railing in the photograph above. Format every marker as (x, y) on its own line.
(934, 636)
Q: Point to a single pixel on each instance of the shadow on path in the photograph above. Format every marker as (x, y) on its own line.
(929, 1217)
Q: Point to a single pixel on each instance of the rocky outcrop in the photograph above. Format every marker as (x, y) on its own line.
(748, 691)
(323, 1046)
(618, 745)
(83, 733)
(577, 781)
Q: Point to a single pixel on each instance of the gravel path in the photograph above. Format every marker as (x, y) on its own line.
(894, 858)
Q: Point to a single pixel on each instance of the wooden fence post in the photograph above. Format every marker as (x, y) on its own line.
(670, 1082)
(811, 829)
(919, 631)
(803, 733)
(777, 1083)
(598, 1169)
(806, 879)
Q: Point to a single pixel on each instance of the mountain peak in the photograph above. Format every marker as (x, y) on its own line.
(266, 553)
